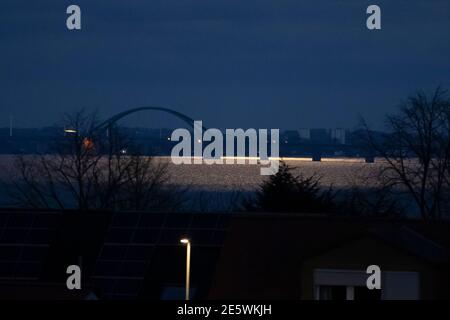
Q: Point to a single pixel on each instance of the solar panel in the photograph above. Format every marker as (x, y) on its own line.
(119, 235)
(143, 252)
(151, 221)
(133, 240)
(24, 243)
(178, 220)
(125, 219)
(147, 236)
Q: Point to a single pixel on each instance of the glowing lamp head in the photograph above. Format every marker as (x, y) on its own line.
(184, 241)
(70, 131)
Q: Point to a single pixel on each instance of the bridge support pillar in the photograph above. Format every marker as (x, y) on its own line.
(317, 157)
(369, 159)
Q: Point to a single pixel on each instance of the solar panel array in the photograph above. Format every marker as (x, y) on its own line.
(24, 242)
(131, 241)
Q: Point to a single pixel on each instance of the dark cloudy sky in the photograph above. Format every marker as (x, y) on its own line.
(273, 64)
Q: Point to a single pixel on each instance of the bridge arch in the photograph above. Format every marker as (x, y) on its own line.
(109, 122)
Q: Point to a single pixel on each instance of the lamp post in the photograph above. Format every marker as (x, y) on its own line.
(188, 264)
(70, 131)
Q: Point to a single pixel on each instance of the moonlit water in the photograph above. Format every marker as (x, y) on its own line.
(224, 179)
(339, 173)
(336, 172)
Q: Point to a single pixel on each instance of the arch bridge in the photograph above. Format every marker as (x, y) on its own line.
(111, 121)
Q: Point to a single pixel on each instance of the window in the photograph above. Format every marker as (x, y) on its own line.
(332, 293)
(335, 284)
(347, 293)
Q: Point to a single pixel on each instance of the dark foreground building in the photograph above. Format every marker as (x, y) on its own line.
(286, 256)
(129, 255)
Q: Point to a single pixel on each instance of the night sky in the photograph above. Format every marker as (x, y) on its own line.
(271, 64)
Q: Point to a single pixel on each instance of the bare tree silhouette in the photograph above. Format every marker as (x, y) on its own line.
(417, 151)
(91, 170)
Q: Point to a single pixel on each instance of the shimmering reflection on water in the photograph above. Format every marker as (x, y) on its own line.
(246, 177)
(343, 173)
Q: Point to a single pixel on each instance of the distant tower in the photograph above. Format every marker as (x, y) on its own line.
(10, 126)
(304, 134)
(338, 135)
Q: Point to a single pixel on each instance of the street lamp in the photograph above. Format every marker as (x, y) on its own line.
(188, 263)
